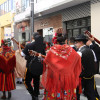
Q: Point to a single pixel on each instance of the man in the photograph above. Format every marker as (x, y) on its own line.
(92, 45)
(36, 45)
(87, 60)
(71, 42)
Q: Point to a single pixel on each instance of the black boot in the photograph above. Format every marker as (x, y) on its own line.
(9, 94)
(34, 98)
(4, 95)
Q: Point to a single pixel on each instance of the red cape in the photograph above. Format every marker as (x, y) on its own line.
(62, 73)
(7, 60)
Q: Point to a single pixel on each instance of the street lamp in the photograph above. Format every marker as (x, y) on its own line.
(32, 19)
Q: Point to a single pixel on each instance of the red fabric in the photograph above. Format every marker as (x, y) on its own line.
(7, 60)
(7, 81)
(62, 75)
(47, 46)
(2, 41)
(54, 40)
(80, 85)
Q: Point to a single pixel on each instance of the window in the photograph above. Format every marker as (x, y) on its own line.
(78, 26)
(24, 36)
(1, 10)
(9, 5)
(5, 7)
(75, 32)
(27, 3)
(23, 5)
(14, 5)
(69, 33)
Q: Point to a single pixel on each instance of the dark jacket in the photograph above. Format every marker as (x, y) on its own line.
(96, 49)
(38, 47)
(88, 67)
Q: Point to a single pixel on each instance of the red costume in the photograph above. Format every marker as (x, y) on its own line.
(54, 40)
(47, 46)
(7, 64)
(61, 77)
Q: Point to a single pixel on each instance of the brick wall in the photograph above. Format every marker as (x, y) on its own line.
(52, 21)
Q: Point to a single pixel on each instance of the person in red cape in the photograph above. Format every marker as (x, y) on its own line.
(62, 67)
(7, 64)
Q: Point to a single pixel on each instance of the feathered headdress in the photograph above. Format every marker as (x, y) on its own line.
(4, 42)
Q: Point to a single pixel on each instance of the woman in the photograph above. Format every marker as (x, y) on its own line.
(61, 77)
(7, 64)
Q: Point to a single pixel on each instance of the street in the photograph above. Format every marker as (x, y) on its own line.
(21, 93)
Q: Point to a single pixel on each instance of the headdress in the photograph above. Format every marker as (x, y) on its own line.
(4, 42)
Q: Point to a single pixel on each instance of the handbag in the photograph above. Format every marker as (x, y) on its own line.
(36, 66)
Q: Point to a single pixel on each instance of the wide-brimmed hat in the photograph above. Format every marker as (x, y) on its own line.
(81, 37)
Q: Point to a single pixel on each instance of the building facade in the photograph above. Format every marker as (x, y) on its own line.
(74, 16)
(6, 19)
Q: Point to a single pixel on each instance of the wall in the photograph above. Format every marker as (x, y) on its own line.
(52, 21)
(95, 19)
(2, 1)
(6, 21)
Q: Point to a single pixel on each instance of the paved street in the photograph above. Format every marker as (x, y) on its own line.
(21, 93)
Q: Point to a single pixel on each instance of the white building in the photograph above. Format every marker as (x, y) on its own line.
(74, 16)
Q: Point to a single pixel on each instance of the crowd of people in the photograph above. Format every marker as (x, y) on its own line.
(67, 68)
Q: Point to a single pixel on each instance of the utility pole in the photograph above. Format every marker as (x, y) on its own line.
(32, 19)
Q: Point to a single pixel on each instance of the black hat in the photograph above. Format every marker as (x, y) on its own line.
(35, 34)
(81, 37)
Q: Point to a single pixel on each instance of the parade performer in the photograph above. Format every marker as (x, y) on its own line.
(61, 73)
(7, 65)
(34, 65)
(88, 68)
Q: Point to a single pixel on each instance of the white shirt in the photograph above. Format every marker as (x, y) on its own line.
(79, 51)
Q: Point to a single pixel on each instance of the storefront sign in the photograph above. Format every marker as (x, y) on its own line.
(42, 24)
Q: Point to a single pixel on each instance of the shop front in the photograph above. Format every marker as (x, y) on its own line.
(47, 26)
(22, 31)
